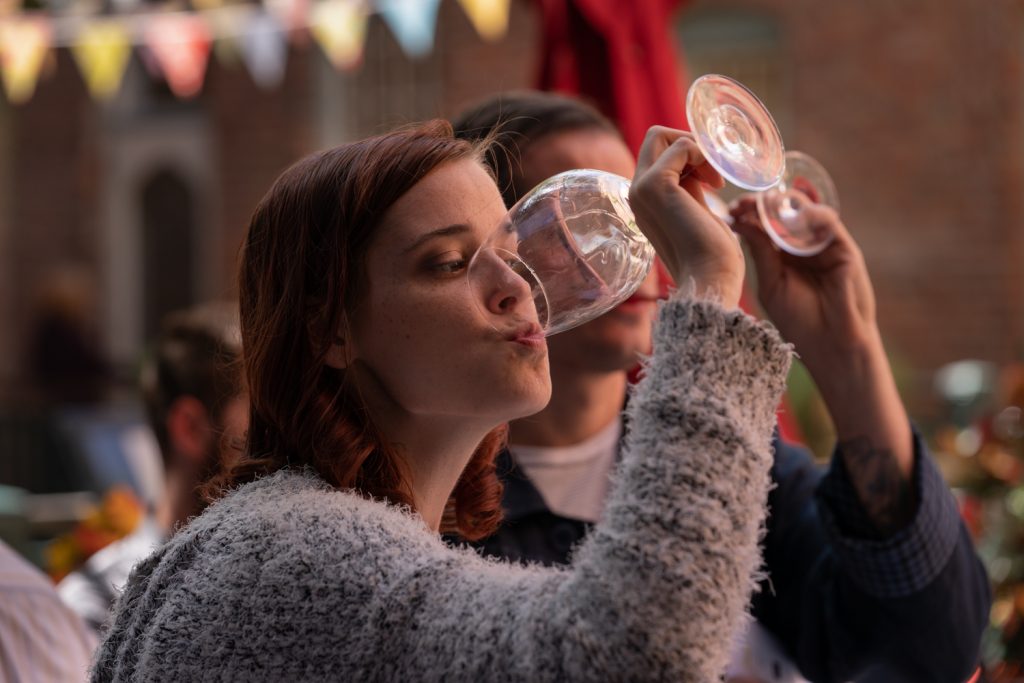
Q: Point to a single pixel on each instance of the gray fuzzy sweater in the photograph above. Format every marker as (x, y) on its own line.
(287, 579)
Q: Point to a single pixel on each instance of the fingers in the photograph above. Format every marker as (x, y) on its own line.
(825, 221)
(657, 140)
(674, 154)
(770, 260)
(766, 256)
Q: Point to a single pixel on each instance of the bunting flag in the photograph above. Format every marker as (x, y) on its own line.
(102, 50)
(340, 28)
(24, 44)
(293, 15)
(412, 22)
(489, 17)
(181, 45)
(223, 24)
(176, 45)
(265, 50)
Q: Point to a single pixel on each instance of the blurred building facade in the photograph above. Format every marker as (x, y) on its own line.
(915, 106)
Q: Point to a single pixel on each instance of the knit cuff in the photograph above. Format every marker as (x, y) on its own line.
(711, 348)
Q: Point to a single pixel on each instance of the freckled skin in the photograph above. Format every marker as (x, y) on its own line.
(423, 338)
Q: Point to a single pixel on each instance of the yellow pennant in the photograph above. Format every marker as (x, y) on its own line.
(24, 44)
(102, 50)
(226, 24)
(340, 28)
(489, 17)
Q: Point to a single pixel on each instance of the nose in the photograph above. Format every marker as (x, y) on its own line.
(508, 290)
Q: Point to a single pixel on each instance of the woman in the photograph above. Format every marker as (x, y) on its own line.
(379, 388)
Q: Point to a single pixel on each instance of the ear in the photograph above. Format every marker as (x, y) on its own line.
(190, 432)
(338, 355)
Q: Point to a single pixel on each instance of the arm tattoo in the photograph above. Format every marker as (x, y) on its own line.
(886, 495)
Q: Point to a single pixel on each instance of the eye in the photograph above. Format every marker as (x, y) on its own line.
(451, 266)
(449, 263)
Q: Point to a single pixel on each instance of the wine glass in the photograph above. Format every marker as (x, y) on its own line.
(575, 242)
(783, 208)
(735, 132)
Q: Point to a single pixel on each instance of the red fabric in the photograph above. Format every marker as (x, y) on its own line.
(620, 55)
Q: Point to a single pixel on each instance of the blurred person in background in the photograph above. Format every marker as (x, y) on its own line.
(66, 361)
(41, 639)
(869, 566)
(190, 383)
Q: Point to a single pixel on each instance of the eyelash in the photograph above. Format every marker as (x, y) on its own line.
(451, 267)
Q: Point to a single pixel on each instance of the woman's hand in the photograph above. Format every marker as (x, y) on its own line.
(669, 207)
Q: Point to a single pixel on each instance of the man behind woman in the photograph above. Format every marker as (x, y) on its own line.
(869, 568)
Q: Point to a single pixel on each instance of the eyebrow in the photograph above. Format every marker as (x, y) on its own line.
(447, 231)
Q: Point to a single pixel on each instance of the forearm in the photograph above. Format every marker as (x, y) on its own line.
(683, 519)
(872, 428)
(840, 601)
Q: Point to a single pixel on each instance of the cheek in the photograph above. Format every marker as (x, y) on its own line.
(416, 332)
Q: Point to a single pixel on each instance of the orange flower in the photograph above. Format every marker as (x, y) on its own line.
(119, 513)
(121, 510)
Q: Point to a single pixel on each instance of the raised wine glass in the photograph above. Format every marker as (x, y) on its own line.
(783, 208)
(735, 132)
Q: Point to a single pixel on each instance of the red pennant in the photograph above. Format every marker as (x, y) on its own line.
(181, 45)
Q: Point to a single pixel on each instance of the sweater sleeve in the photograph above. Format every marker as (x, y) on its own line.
(289, 579)
(659, 587)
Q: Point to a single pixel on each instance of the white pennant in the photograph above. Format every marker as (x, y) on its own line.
(265, 50)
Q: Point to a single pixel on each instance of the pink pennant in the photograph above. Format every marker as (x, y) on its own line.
(181, 45)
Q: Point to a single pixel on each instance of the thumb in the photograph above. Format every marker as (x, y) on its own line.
(767, 259)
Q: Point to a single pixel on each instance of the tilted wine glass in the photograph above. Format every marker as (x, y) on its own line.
(575, 242)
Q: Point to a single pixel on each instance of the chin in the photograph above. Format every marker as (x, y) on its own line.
(529, 400)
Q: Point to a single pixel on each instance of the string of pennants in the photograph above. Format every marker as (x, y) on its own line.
(178, 44)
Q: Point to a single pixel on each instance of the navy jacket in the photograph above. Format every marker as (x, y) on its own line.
(843, 602)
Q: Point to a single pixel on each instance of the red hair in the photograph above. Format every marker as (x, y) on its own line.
(301, 278)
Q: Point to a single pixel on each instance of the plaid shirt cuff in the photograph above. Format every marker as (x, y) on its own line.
(907, 561)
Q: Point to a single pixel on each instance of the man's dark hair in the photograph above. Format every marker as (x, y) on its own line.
(196, 354)
(515, 120)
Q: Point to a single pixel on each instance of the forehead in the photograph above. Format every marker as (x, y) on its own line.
(456, 192)
(570, 149)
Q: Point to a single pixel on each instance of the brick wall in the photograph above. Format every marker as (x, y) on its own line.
(256, 135)
(915, 108)
(914, 105)
(52, 194)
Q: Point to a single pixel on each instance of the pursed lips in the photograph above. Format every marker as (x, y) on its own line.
(528, 334)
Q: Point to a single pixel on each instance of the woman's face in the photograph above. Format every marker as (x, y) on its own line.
(426, 342)
(616, 339)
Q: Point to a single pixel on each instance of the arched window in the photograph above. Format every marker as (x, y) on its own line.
(168, 235)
